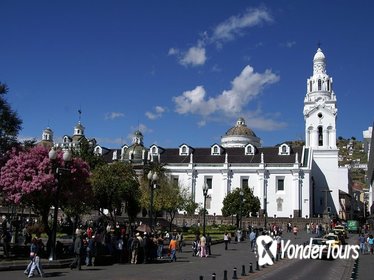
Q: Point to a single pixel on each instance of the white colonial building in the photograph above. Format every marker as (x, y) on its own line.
(290, 181)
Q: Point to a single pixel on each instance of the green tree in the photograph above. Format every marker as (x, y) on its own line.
(189, 205)
(233, 202)
(115, 185)
(168, 196)
(86, 152)
(10, 125)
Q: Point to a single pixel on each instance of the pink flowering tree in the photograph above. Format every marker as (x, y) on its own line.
(29, 178)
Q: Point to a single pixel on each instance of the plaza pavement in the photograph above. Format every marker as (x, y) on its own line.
(187, 267)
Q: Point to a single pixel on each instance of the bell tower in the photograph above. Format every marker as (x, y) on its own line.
(320, 107)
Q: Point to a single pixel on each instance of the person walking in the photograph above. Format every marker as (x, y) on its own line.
(295, 230)
(34, 260)
(370, 242)
(226, 239)
(362, 242)
(78, 247)
(160, 246)
(252, 239)
(208, 244)
(135, 246)
(6, 237)
(173, 249)
(203, 246)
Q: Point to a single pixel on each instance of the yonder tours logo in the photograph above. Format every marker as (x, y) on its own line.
(267, 250)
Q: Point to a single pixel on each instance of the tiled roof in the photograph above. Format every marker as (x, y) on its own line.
(235, 155)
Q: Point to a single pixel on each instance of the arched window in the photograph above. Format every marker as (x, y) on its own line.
(284, 149)
(310, 86)
(215, 150)
(320, 136)
(249, 150)
(319, 84)
(154, 150)
(328, 85)
(184, 150)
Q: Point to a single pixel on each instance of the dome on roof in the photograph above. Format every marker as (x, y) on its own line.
(135, 153)
(319, 55)
(240, 129)
(240, 135)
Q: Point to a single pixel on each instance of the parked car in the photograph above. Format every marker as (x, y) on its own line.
(320, 242)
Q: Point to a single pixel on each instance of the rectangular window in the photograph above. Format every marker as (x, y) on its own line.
(208, 181)
(245, 183)
(280, 184)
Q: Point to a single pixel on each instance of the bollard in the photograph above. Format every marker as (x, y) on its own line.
(213, 276)
(225, 275)
(250, 268)
(234, 276)
(243, 271)
(201, 277)
(257, 266)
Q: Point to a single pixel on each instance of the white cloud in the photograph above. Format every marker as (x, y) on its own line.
(245, 88)
(226, 31)
(288, 44)
(235, 25)
(194, 56)
(173, 51)
(158, 111)
(114, 115)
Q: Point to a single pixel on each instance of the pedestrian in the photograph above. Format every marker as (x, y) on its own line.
(203, 246)
(34, 260)
(78, 247)
(6, 237)
(119, 248)
(208, 244)
(294, 230)
(195, 246)
(146, 247)
(91, 250)
(362, 242)
(180, 241)
(173, 249)
(160, 246)
(370, 242)
(226, 239)
(26, 235)
(135, 245)
(252, 239)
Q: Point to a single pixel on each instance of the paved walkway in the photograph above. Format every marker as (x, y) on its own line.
(187, 267)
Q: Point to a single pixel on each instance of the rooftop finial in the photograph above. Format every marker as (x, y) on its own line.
(80, 114)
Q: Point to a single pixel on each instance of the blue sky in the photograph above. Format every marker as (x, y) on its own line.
(182, 71)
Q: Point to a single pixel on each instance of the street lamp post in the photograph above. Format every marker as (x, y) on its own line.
(265, 213)
(152, 179)
(58, 173)
(241, 193)
(205, 193)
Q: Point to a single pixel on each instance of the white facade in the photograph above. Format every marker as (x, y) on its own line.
(320, 114)
(289, 181)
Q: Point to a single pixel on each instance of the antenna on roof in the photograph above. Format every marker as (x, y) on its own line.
(319, 44)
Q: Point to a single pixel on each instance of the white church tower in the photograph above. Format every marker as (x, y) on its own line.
(320, 107)
(329, 181)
